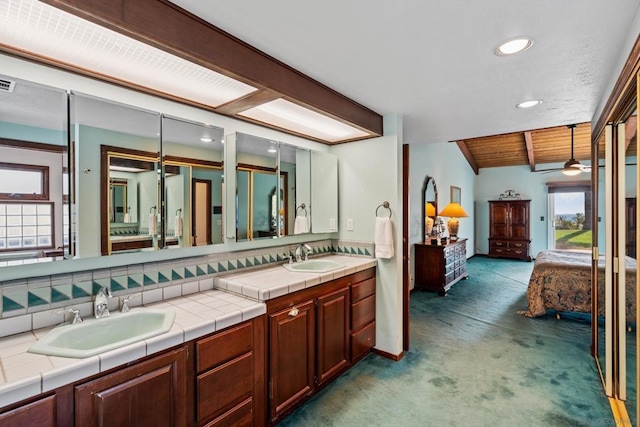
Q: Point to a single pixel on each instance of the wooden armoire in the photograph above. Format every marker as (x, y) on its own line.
(509, 229)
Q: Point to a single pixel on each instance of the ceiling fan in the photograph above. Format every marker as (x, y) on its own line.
(572, 166)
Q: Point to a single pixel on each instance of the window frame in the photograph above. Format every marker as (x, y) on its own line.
(44, 172)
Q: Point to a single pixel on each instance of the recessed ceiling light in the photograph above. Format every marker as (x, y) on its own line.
(529, 104)
(513, 46)
(205, 139)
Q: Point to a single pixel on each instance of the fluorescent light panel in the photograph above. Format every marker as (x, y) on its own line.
(287, 115)
(44, 30)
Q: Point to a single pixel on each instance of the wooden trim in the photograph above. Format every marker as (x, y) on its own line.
(181, 161)
(250, 167)
(624, 92)
(406, 258)
(394, 357)
(166, 26)
(26, 167)
(467, 155)
(104, 195)
(28, 145)
(528, 140)
(252, 100)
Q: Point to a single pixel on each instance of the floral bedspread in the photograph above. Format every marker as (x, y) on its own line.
(561, 281)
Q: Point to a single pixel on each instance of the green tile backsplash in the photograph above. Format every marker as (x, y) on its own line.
(44, 293)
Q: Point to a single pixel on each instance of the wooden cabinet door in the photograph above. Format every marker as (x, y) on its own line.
(499, 220)
(150, 393)
(292, 352)
(333, 333)
(41, 413)
(519, 220)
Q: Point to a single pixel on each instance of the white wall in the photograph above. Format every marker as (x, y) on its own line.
(447, 166)
(369, 173)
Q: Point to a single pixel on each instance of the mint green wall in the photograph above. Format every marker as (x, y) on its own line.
(32, 133)
(447, 166)
(369, 173)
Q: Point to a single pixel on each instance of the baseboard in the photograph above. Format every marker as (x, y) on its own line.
(394, 357)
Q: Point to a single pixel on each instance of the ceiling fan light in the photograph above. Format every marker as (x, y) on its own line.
(571, 171)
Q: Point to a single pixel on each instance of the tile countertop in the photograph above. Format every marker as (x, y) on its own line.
(273, 282)
(24, 374)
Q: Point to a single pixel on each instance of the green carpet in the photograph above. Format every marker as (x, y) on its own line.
(473, 362)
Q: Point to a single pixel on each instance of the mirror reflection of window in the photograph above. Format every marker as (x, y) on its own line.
(34, 220)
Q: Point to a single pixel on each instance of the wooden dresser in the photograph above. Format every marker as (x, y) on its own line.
(438, 268)
(509, 229)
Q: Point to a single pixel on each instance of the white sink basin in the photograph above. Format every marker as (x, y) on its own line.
(95, 336)
(313, 266)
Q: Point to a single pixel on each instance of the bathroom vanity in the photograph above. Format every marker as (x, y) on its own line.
(251, 365)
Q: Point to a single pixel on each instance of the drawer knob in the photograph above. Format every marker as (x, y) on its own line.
(294, 312)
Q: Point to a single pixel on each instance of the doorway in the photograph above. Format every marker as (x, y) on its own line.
(201, 212)
(569, 216)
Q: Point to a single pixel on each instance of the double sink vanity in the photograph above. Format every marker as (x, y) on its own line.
(245, 350)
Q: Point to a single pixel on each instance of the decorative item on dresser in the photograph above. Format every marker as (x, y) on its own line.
(438, 268)
(509, 229)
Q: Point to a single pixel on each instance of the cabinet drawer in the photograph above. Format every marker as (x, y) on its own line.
(499, 244)
(363, 340)
(239, 416)
(448, 278)
(363, 312)
(220, 389)
(223, 346)
(517, 245)
(363, 289)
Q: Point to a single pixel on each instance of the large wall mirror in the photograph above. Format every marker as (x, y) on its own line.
(429, 206)
(34, 174)
(116, 149)
(192, 157)
(109, 178)
(260, 192)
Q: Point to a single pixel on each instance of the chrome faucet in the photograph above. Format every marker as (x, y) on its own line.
(100, 305)
(303, 248)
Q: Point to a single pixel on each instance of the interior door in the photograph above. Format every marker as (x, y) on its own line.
(201, 212)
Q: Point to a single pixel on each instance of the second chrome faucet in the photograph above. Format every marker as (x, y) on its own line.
(101, 303)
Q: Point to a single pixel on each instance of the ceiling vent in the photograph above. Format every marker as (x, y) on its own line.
(6, 85)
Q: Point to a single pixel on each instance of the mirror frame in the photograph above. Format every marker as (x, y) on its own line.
(425, 185)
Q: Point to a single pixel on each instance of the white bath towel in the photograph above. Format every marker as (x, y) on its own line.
(383, 238)
(153, 225)
(301, 225)
(177, 226)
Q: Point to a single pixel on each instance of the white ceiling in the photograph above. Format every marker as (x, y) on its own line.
(432, 60)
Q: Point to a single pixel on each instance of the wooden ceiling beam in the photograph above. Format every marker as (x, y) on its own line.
(528, 141)
(163, 25)
(467, 155)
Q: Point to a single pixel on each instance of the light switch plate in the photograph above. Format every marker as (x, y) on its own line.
(350, 224)
(332, 224)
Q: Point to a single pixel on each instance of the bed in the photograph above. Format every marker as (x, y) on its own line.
(561, 281)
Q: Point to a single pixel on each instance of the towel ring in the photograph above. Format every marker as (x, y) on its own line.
(303, 207)
(152, 209)
(178, 212)
(385, 205)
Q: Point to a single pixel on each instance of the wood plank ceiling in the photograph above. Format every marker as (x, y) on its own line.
(535, 148)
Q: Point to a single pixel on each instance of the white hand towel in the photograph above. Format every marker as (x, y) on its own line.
(301, 225)
(127, 217)
(383, 238)
(153, 225)
(177, 226)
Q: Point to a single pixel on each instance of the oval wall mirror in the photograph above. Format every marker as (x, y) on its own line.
(429, 206)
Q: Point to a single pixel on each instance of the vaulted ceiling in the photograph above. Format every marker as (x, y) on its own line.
(540, 149)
